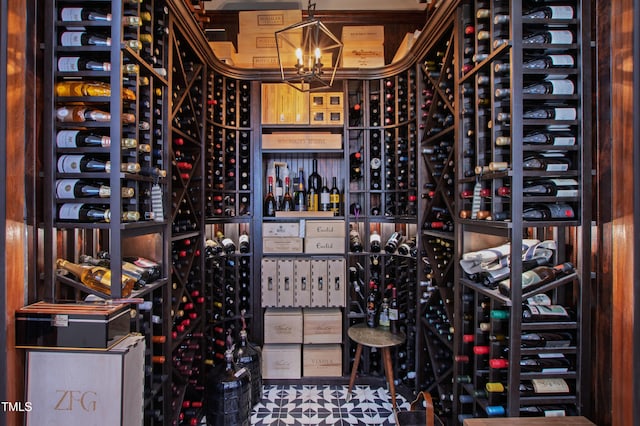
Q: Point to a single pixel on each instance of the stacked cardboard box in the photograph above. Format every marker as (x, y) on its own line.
(363, 46)
(257, 41)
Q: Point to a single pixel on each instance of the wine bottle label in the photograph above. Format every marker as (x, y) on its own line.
(393, 314)
(562, 87)
(68, 64)
(557, 167)
(566, 187)
(67, 139)
(564, 140)
(71, 38)
(243, 239)
(543, 311)
(561, 12)
(325, 198)
(550, 385)
(561, 37)
(64, 188)
(71, 14)
(539, 299)
(70, 211)
(565, 113)
(562, 60)
(69, 163)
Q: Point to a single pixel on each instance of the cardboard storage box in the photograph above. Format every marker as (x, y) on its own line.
(269, 281)
(72, 325)
(282, 245)
(85, 387)
(362, 34)
(285, 283)
(302, 282)
(283, 325)
(322, 325)
(322, 360)
(283, 104)
(363, 56)
(267, 20)
(325, 228)
(224, 50)
(281, 229)
(324, 245)
(281, 361)
(319, 283)
(302, 141)
(337, 282)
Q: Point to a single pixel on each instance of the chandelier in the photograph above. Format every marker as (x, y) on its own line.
(313, 50)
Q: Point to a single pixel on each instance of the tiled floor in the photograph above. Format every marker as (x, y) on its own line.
(325, 405)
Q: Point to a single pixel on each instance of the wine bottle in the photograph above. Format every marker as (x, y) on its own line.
(76, 14)
(542, 339)
(549, 37)
(80, 114)
(355, 244)
(355, 166)
(315, 183)
(491, 278)
(269, 200)
(334, 197)
(392, 243)
(548, 212)
(325, 196)
(551, 187)
(96, 278)
(77, 188)
(408, 247)
(78, 63)
(87, 164)
(372, 305)
(550, 87)
(139, 275)
(549, 163)
(374, 242)
(287, 200)
(394, 314)
(300, 195)
(78, 212)
(152, 267)
(549, 61)
(537, 277)
(549, 12)
(82, 38)
(535, 313)
(279, 188)
(243, 242)
(80, 138)
(90, 88)
(545, 363)
(546, 411)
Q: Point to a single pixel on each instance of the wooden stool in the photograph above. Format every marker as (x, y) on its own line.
(375, 338)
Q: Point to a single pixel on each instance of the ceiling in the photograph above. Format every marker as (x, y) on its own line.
(320, 4)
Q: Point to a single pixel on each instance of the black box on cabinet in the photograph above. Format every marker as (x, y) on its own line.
(72, 325)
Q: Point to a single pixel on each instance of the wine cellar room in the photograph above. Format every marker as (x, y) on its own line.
(319, 212)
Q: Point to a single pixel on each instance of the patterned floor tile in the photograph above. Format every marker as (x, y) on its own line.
(309, 405)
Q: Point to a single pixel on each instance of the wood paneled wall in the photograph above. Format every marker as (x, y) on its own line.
(17, 101)
(616, 350)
